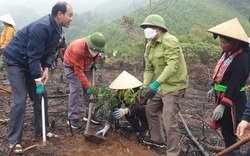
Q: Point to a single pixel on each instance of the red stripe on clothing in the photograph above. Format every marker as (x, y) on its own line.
(226, 100)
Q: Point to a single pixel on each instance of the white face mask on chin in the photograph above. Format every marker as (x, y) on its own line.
(150, 33)
(93, 52)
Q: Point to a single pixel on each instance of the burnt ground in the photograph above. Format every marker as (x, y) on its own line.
(196, 112)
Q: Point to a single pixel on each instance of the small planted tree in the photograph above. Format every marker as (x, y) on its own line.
(108, 99)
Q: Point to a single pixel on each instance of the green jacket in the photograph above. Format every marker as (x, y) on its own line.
(166, 62)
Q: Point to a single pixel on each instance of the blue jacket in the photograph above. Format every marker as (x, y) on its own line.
(33, 45)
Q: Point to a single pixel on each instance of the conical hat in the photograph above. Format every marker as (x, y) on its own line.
(7, 19)
(125, 81)
(232, 29)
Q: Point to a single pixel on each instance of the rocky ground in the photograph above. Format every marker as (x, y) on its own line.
(196, 112)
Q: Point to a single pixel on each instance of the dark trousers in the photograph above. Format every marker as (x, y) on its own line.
(22, 83)
(138, 119)
(228, 129)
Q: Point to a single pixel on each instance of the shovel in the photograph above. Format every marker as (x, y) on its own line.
(89, 137)
(43, 122)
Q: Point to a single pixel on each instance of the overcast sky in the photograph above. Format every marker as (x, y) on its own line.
(43, 7)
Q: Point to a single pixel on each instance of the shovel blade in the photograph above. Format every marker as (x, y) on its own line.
(93, 139)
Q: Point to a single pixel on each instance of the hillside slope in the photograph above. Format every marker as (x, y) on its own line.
(180, 17)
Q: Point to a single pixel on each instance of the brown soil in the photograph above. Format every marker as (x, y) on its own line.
(195, 110)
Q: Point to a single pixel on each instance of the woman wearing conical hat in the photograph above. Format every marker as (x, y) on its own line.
(133, 112)
(7, 33)
(229, 80)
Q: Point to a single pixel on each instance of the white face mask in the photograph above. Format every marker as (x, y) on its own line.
(150, 33)
(93, 52)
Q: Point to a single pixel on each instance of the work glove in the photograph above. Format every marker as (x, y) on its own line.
(56, 53)
(153, 87)
(118, 113)
(95, 66)
(104, 131)
(88, 90)
(39, 88)
(210, 94)
(218, 112)
(41, 92)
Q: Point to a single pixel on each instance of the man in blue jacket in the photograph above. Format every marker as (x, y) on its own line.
(28, 51)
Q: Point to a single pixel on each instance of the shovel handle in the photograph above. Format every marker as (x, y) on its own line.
(90, 104)
(43, 121)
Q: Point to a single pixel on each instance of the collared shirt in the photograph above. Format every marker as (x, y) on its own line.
(166, 62)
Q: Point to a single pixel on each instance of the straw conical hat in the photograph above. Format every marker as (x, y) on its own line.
(125, 81)
(7, 19)
(232, 29)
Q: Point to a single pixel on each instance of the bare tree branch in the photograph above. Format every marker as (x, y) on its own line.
(204, 152)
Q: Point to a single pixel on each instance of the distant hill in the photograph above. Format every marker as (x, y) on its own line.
(181, 17)
(186, 19)
(26, 11)
(241, 6)
(113, 9)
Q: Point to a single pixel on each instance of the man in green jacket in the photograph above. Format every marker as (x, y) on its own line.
(164, 62)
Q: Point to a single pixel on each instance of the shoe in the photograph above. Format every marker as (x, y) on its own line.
(75, 124)
(6, 83)
(48, 135)
(17, 149)
(129, 128)
(148, 141)
(160, 150)
(144, 134)
(94, 119)
(52, 135)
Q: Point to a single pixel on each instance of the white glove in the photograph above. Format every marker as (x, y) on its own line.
(104, 131)
(118, 113)
(218, 112)
(210, 94)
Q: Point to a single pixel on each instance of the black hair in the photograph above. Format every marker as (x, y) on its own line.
(59, 6)
(228, 39)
